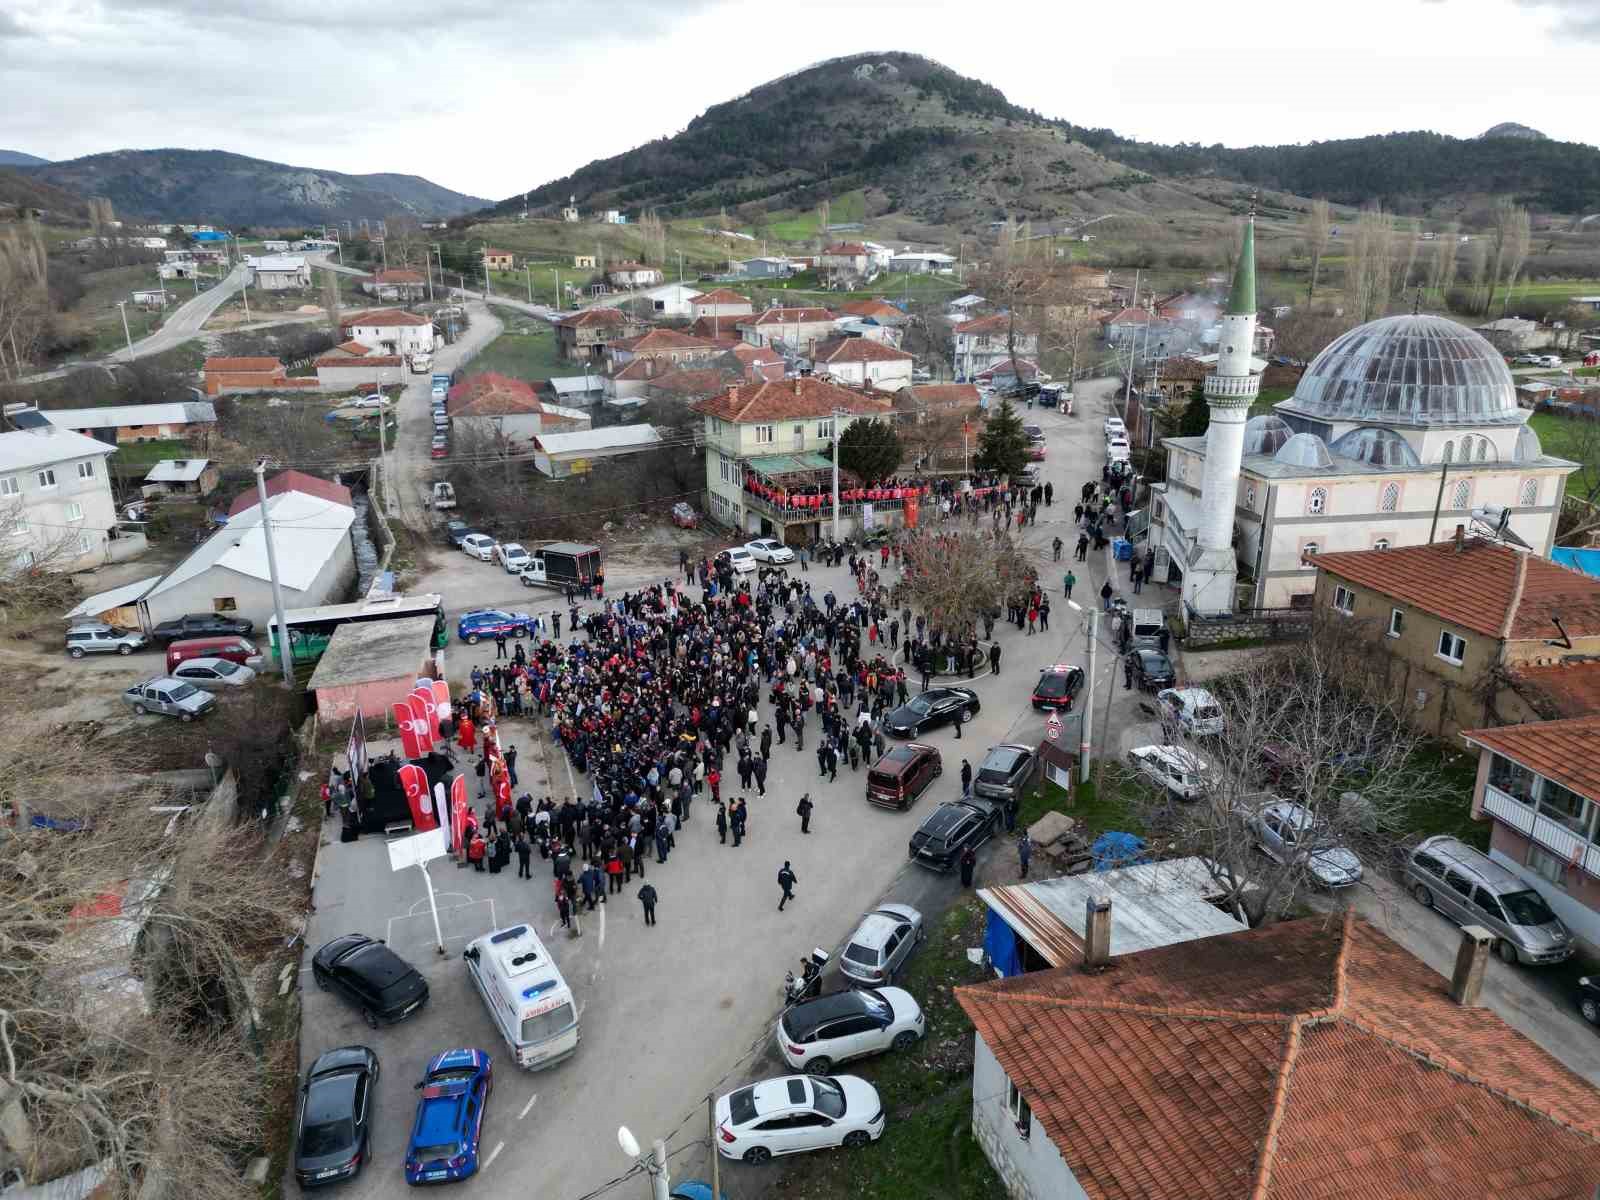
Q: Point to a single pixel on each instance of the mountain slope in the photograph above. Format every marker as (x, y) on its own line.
(230, 189)
(22, 189)
(16, 158)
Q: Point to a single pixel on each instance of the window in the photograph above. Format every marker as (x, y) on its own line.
(1466, 448)
(1397, 622)
(1390, 500)
(74, 511)
(24, 560)
(1309, 550)
(765, 435)
(1564, 805)
(1019, 1110)
(1344, 600)
(1511, 778)
(1380, 543)
(224, 604)
(9, 486)
(1529, 495)
(86, 469)
(725, 469)
(85, 544)
(1449, 454)
(1249, 495)
(1461, 494)
(1452, 648)
(46, 478)
(1483, 449)
(825, 429)
(1317, 502)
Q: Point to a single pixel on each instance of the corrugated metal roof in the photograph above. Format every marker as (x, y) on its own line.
(612, 437)
(117, 597)
(177, 470)
(306, 530)
(187, 412)
(22, 451)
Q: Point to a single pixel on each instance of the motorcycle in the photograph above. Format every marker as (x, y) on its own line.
(809, 985)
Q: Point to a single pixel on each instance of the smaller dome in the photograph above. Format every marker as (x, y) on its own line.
(1304, 450)
(1528, 447)
(1266, 434)
(1377, 447)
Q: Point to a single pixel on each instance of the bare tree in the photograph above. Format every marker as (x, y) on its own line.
(402, 239)
(1518, 238)
(24, 292)
(1318, 229)
(958, 577)
(1477, 266)
(1369, 276)
(1306, 330)
(330, 300)
(1442, 262)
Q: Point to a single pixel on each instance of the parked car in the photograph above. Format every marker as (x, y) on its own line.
(448, 1127)
(950, 829)
(1006, 772)
(1035, 452)
(1470, 888)
(931, 709)
(1550, 360)
(333, 1136)
(1282, 829)
(372, 401)
(472, 627)
(738, 559)
(214, 674)
(1589, 998)
(1527, 360)
(371, 976)
(881, 944)
(1115, 428)
(1058, 687)
(903, 774)
(512, 557)
(815, 1034)
(1193, 710)
(797, 1113)
(1152, 670)
(103, 639)
(1034, 434)
(169, 697)
(479, 545)
(684, 516)
(457, 531)
(233, 648)
(194, 625)
(1179, 771)
(769, 550)
(440, 448)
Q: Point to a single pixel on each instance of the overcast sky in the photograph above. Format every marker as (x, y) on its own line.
(492, 97)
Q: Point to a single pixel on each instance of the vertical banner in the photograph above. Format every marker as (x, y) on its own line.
(441, 806)
(414, 782)
(430, 715)
(419, 723)
(410, 747)
(910, 509)
(441, 698)
(355, 749)
(458, 812)
(867, 521)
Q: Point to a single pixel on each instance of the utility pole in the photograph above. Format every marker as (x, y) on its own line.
(837, 414)
(244, 294)
(434, 246)
(716, 1158)
(528, 267)
(1128, 391)
(1092, 629)
(680, 268)
(122, 307)
(284, 658)
(558, 289)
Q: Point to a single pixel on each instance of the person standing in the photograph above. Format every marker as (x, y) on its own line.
(766, 743)
(614, 870)
(647, 897)
(786, 880)
(759, 765)
(524, 850)
(500, 645)
(804, 809)
(563, 906)
(969, 862)
(722, 823)
(966, 778)
(994, 658)
(1024, 852)
(1127, 673)
(736, 819)
(1105, 595)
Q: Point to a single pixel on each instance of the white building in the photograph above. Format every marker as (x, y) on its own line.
(670, 301)
(281, 273)
(985, 342)
(765, 267)
(917, 262)
(561, 454)
(391, 330)
(56, 507)
(860, 361)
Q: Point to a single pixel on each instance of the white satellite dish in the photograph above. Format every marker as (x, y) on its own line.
(1494, 520)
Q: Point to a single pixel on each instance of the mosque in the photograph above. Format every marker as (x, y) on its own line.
(1396, 432)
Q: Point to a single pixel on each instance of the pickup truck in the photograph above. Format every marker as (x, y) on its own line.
(443, 495)
(561, 563)
(169, 698)
(194, 625)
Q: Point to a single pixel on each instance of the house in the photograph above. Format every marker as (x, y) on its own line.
(867, 327)
(498, 260)
(757, 363)
(369, 665)
(558, 455)
(845, 263)
(880, 311)
(962, 307)
(395, 284)
(1186, 306)
(570, 213)
(668, 302)
(584, 336)
(390, 331)
(766, 267)
(1007, 374)
(687, 384)
(127, 424)
(765, 474)
(181, 477)
(614, 216)
(982, 342)
(718, 303)
(878, 256)
(916, 262)
(632, 275)
(293, 481)
(939, 423)
(1458, 619)
(797, 330)
(666, 345)
(228, 572)
(223, 375)
(584, 262)
(281, 273)
(352, 365)
(1123, 326)
(1512, 335)
(56, 507)
(505, 410)
(152, 297)
(862, 362)
(1305, 1058)
(1173, 379)
(275, 246)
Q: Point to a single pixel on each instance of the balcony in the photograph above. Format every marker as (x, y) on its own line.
(1241, 389)
(1549, 833)
(789, 515)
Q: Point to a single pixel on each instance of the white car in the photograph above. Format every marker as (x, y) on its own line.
(214, 674)
(479, 545)
(1195, 711)
(1180, 772)
(513, 557)
(769, 550)
(741, 560)
(1114, 426)
(816, 1034)
(1281, 830)
(795, 1113)
(1117, 449)
(372, 401)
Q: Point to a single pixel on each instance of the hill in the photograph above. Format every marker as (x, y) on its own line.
(21, 189)
(16, 158)
(1511, 129)
(230, 189)
(954, 150)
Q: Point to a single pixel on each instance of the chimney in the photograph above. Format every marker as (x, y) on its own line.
(1461, 538)
(797, 385)
(1096, 932)
(1472, 956)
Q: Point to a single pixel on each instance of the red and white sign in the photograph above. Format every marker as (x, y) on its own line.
(441, 698)
(458, 812)
(410, 744)
(1052, 727)
(414, 782)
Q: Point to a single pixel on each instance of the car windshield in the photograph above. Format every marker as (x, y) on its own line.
(742, 1106)
(830, 1097)
(1157, 664)
(327, 1137)
(920, 706)
(1053, 685)
(542, 1026)
(856, 952)
(874, 1005)
(1207, 712)
(433, 1153)
(1527, 908)
(182, 692)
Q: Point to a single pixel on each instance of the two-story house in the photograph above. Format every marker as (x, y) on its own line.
(498, 260)
(584, 336)
(633, 363)
(844, 263)
(984, 342)
(391, 331)
(720, 303)
(395, 283)
(56, 508)
(632, 275)
(797, 330)
(765, 470)
(863, 362)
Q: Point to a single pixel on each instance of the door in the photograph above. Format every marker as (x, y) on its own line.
(891, 952)
(1456, 898)
(901, 946)
(856, 1036)
(810, 1131)
(1489, 910)
(779, 1135)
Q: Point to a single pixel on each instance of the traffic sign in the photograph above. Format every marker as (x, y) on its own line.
(1052, 727)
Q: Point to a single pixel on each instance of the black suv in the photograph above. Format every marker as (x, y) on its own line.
(950, 829)
(1006, 772)
(1152, 670)
(378, 981)
(195, 625)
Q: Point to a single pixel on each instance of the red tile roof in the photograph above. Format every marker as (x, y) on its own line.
(993, 323)
(594, 316)
(359, 349)
(789, 399)
(846, 249)
(692, 383)
(239, 365)
(857, 349)
(368, 360)
(1486, 587)
(876, 309)
(1302, 1061)
(491, 394)
(293, 481)
(383, 317)
(492, 253)
(1559, 750)
(1026, 368)
(1128, 316)
(720, 296)
(397, 275)
(659, 340)
(1562, 690)
(757, 355)
(943, 395)
(786, 316)
(722, 330)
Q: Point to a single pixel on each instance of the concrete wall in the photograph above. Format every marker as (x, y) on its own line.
(70, 538)
(1031, 1168)
(513, 427)
(359, 373)
(372, 698)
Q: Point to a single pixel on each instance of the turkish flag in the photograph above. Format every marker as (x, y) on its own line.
(414, 782)
(458, 811)
(430, 713)
(502, 791)
(419, 723)
(441, 699)
(411, 747)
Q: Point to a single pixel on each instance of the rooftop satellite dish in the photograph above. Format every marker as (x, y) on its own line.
(1494, 521)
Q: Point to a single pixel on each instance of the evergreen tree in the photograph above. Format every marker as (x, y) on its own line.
(1003, 446)
(870, 449)
(1196, 415)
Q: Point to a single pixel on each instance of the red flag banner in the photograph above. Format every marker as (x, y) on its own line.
(414, 782)
(909, 507)
(458, 811)
(430, 714)
(441, 698)
(410, 747)
(419, 723)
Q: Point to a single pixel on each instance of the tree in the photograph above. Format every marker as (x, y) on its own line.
(1318, 229)
(330, 299)
(870, 449)
(1196, 416)
(402, 239)
(1442, 263)
(957, 578)
(1305, 331)
(1369, 276)
(1003, 446)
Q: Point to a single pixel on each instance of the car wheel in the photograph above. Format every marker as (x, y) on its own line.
(1423, 896)
(856, 1139)
(521, 631)
(1590, 1008)
(124, 649)
(76, 652)
(758, 1156)
(370, 1017)
(140, 709)
(185, 717)
(321, 980)
(820, 1065)
(938, 770)
(966, 715)
(904, 1040)
(473, 639)
(1506, 951)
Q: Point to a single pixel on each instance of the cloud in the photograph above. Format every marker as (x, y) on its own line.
(1578, 19)
(12, 29)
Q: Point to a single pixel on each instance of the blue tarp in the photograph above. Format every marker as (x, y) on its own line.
(1000, 944)
(1113, 850)
(1578, 558)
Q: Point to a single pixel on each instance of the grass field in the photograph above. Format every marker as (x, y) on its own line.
(96, 313)
(526, 350)
(1563, 436)
(797, 225)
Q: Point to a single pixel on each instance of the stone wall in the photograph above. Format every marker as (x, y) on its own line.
(1211, 631)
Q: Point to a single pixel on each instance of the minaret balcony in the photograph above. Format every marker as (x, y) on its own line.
(1232, 391)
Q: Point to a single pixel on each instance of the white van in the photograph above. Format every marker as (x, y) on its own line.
(1117, 448)
(528, 1000)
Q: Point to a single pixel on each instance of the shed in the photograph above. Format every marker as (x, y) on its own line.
(560, 454)
(181, 477)
(117, 606)
(369, 665)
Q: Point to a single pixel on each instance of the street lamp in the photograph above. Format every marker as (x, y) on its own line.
(654, 1163)
(1087, 721)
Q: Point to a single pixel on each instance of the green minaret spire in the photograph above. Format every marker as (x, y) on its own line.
(1242, 300)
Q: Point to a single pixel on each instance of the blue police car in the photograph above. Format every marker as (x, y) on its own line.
(482, 623)
(444, 1139)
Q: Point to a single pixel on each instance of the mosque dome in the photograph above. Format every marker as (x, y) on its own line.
(1408, 370)
(1377, 447)
(1266, 434)
(1528, 446)
(1304, 450)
